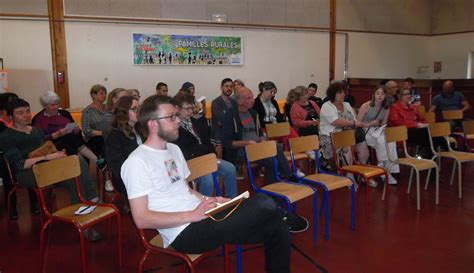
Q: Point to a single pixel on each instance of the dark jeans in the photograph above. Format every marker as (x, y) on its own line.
(8, 185)
(420, 137)
(97, 145)
(257, 220)
(26, 178)
(70, 142)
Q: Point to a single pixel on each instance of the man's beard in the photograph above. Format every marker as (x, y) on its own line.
(169, 136)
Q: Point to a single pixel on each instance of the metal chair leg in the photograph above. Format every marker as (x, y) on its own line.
(326, 216)
(409, 180)
(417, 190)
(452, 173)
(437, 186)
(83, 249)
(142, 261)
(427, 179)
(44, 226)
(460, 179)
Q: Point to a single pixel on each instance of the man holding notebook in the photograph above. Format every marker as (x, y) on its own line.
(160, 198)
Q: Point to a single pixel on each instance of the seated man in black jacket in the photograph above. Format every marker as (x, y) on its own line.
(194, 140)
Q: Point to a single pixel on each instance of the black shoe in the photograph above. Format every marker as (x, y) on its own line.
(296, 223)
(291, 178)
(35, 208)
(96, 236)
(101, 164)
(13, 213)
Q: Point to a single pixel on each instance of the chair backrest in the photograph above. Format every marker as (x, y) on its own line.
(304, 143)
(395, 134)
(58, 170)
(452, 114)
(278, 129)
(440, 129)
(201, 166)
(343, 139)
(260, 150)
(430, 117)
(421, 108)
(468, 127)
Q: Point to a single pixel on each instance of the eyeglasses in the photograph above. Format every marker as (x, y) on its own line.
(188, 108)
(172, 117)
(273, 90)
(134, 109)
(405, 94)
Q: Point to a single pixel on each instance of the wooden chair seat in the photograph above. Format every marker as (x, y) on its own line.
(420, 164)
(470, 136)
(292, 191)
(98, 213)
(367, 171)
(331, 182)
(158, 242)
(461, 156)
(298, 156)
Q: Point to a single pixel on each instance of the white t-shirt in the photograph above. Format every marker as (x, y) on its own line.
(329, 114)
(160, 174)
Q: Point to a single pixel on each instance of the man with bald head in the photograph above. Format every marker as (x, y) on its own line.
(391, 89)
(449, 99)
(241, 127)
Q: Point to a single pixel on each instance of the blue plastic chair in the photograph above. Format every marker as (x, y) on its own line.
(326, 180)
(287, 191)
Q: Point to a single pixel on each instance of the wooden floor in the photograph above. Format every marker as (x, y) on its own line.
(392, 237)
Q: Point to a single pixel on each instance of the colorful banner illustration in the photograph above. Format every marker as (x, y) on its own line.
(160, 49)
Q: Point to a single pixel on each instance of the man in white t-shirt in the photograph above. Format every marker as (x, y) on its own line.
(160, 198)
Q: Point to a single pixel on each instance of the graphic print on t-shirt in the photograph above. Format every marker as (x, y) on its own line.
(172, 170)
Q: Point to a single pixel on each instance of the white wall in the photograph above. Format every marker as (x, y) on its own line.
(98, 51)
(101, 53)
(453, 52)
(26, 52)
(388, 56)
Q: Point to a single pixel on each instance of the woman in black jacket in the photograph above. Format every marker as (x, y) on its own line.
(122, 139)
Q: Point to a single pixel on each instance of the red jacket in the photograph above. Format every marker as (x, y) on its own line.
(298, 114)
(399, 115)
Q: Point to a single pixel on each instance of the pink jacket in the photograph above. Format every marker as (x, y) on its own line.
(298, 114)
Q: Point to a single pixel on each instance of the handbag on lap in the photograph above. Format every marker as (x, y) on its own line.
(45, 149)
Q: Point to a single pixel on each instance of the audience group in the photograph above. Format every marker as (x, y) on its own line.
(115, 125)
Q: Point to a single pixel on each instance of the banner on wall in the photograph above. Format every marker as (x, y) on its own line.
(161, 49)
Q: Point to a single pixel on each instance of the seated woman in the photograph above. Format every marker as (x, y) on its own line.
(194, 140)
(290, 99)
(52, 122)
(268, 110)
(21, 139)
(200, 109)
(110, 105)
(374, 114)
(122, 139)
(6, 122)
(404, 113)
(336, 116)
(304, 113)
(93, 120)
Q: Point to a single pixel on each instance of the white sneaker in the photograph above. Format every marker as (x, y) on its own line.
(109, 186)
(392, 180)
(299, 173)
(372, 183)
(311, 155)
